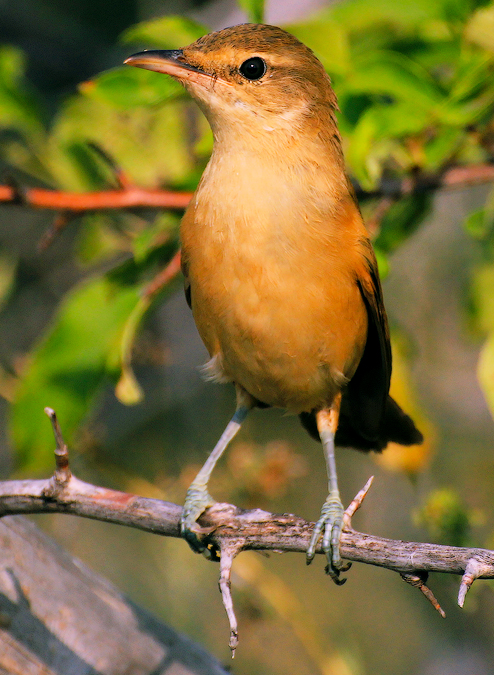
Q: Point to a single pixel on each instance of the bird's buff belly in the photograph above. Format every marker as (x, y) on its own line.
(283, 352)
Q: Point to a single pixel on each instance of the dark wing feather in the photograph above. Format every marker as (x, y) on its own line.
(367, 391)
(369, 417)
(187, 289)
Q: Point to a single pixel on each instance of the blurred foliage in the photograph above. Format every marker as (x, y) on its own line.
(273, 592)
(447, 519)
(70, 363)
(416, 93)
(254, 9)
(410, 460)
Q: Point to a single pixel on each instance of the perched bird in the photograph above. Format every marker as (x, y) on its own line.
(279, 269)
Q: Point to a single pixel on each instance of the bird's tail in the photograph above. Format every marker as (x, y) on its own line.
(396, 426)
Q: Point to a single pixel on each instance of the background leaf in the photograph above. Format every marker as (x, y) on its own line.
(167, 32)
(254, 10)
(68, 368)
(128, 87)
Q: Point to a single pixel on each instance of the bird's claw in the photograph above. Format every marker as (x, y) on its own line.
(197, 501)
(330, 525)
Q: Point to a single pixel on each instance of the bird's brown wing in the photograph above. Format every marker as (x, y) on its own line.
(369, 417)
(367, 392)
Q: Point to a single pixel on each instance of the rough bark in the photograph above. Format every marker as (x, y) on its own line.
(57, 617)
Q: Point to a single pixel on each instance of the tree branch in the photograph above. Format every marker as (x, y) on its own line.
(129, 195)
(233, 530)
(256, 529)
(453, 177)
(70, 205)
(229, 530)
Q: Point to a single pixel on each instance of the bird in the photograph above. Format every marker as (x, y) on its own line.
(279, 269)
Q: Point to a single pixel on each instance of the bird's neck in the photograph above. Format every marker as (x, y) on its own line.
(280, 159)
(262, 193)
(303, 133)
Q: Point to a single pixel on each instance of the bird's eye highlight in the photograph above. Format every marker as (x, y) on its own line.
(254, 68)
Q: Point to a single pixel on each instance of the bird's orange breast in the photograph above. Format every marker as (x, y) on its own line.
(273, 267)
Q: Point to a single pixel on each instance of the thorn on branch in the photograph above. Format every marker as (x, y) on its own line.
(62, 471)
(418, 581)
(355, 504)
(475, 568)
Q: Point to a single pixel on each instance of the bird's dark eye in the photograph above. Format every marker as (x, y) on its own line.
(253, 69)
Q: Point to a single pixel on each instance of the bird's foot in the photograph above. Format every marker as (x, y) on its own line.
(330, 525)
(197, 501)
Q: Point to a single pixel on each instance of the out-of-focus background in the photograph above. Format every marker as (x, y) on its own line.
(415, 85)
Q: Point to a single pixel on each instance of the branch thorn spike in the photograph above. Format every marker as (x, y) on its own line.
(474, 569)
(355, 504)
(62, 473)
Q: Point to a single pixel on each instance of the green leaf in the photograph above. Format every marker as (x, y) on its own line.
(364, 163)
(69, 367)
(254, 10)
(359, 15)
(149, 143)
(446, 518)
(20, 107)
(154, 235)
(382, 262)
(128, 390)
(167, 32)
(392, 74)
(477, 224)
(99, 238)
(472, 74)
(127, 87)
(480, 223)
(442, 147)
(371, 142)
(8, 268)
(328, 39)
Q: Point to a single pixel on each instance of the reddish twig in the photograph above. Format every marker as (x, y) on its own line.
(130, 196)
(60, 223)
(164, 277)
(78, 202)
(474, 174)
(454, 177)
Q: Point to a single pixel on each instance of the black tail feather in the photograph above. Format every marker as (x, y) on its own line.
(396, 426)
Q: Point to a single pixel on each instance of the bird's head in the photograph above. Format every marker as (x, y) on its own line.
(252, 77)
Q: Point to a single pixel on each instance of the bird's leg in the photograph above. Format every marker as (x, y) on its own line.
(330, 523)
(198, 498)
